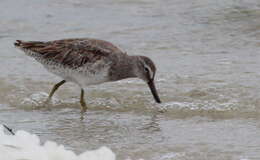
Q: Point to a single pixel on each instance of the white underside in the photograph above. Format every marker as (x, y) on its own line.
(83, 76)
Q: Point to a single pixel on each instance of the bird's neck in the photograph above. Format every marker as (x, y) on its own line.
(124, 68)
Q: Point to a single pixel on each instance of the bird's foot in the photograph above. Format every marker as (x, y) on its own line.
(83, 106)
(47, 101)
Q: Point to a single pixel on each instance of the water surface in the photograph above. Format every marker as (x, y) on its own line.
(208, 60)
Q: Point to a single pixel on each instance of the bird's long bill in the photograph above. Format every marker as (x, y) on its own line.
(154, 91)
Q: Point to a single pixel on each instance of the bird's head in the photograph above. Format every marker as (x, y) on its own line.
(145, 70)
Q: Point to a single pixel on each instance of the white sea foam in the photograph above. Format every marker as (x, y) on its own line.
(38, 99)
(26, 146)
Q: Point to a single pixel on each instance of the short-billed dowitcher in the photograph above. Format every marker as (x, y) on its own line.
(86, 61)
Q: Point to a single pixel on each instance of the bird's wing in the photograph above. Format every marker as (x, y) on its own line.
(70, 52)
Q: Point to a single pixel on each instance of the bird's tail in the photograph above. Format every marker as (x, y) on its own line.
(29, 44)
(31, 48)
(18, 43)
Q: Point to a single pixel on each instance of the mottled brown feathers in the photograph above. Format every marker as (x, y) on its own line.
(70, 52)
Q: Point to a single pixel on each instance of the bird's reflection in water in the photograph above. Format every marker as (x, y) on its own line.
(82, 116)
(152, 125)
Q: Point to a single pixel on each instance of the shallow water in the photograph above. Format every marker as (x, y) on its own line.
(208, 60)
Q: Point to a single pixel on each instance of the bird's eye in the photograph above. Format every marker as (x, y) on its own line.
(146, 69)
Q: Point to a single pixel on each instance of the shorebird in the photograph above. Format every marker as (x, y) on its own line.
(87, 61)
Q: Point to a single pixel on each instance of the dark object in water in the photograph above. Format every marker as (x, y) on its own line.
(9, 129)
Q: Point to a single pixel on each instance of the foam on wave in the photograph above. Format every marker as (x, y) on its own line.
(26, 146)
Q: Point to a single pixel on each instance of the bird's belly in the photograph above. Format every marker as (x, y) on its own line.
(82, 77)
(89, 79)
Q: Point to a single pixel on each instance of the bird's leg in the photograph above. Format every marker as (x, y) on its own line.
(82, 101)
(56, 86)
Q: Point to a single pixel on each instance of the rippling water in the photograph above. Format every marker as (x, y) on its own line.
(208, 59)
